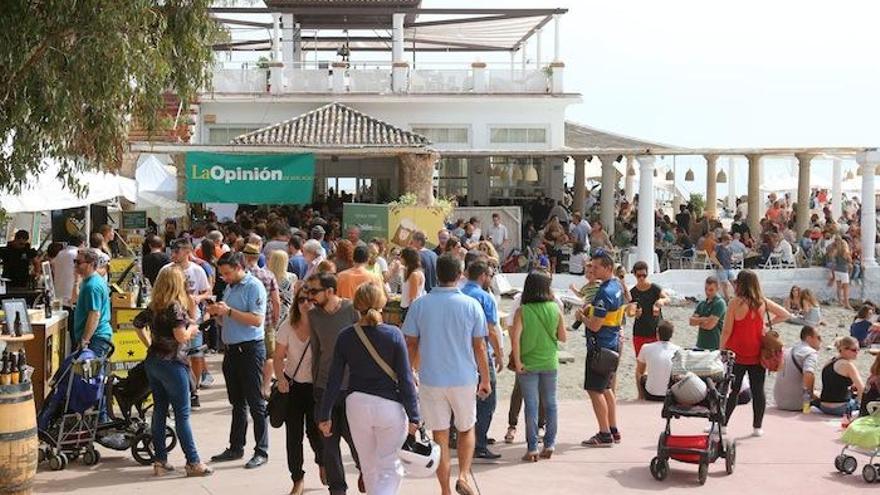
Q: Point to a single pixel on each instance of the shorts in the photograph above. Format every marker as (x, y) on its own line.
(197, 341)
(841, 277)
(638, 342)
(269, 340)
(438, 405)
(724, 275)
(594, 382)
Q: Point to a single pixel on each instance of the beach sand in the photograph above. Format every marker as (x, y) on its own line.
(571, 375)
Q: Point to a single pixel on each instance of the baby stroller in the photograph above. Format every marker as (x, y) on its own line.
(68, 422)
(715, 369)
(862, 436)
(130, 429)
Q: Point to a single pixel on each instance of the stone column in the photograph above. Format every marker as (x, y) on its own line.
(339, 69)
(803, 193)
(287, 40)
(399, 66)
(836, 180)
(417, 176)
(607, 211)
(868, 161)
(556, 37)
(711, 185)
(731, 184)
(629, 180)
(645, 247)
(580, 183)
(754, 215)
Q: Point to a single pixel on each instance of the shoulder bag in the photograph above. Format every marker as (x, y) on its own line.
(603, 361)
(375, 354)
(771, 346)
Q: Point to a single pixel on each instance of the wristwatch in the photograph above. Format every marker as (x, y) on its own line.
(229, 313)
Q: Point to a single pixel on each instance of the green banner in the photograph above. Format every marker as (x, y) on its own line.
(249, 179)
(371, 219)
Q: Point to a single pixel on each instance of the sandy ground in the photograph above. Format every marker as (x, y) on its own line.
(571, 375)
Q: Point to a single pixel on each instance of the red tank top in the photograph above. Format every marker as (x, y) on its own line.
(745, 339)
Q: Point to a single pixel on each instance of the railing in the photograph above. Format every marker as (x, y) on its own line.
(376, 77)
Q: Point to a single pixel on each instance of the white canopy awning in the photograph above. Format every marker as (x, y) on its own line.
(46, 192)
(157, 185)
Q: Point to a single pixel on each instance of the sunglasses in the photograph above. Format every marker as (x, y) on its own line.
(315, 291)
(853, 349)
(301, 300)
(641, 275)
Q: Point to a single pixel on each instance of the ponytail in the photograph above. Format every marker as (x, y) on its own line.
(369, 299)
(371, 318)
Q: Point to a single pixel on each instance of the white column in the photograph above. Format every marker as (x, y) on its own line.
(711, 186)
(803, 193)
(645, 247)
(512, 63)
(397, 37)
(754, 216)
(629, 180)
(607, 211)
(276, 68)
(523, 49)
(556, 38)
(731, 184)
(286, 39)
(868, 161)
(836, 180)
(538, 54)
(478, 71)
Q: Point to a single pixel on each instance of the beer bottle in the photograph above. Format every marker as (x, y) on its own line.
(13, 369)
(17, 324)
(47, 305)
(22, 363)
(5, 379)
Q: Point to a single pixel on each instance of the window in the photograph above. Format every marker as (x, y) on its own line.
(518, 135)
(223, 135)
(517, 177)
(444, 135)
(452, 177)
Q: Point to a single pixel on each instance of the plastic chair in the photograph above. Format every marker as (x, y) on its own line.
(701, 260)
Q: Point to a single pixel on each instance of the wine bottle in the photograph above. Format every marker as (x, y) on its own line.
(22, 363)
(47, 305)
(13, 369)
(4, 370)
(17, 324)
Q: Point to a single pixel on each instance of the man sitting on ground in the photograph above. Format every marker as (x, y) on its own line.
(654, 364)
(798, 373)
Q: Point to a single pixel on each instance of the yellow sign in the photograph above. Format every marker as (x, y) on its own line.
(403, 221)
(129, 349)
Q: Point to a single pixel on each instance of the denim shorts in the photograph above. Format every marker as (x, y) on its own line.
(197, 341)
(724, 275)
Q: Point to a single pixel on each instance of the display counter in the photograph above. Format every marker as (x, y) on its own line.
(129, 349)
(45, 351)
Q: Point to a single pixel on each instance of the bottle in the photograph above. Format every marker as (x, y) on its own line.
(4, 370)
(47, 305)
(807, 405)
(17, 325)
(14, 375)
(22, 363)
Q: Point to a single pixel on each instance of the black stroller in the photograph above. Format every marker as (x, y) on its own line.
(698, 449)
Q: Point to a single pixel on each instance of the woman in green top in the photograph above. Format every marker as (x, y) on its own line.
(537, 327)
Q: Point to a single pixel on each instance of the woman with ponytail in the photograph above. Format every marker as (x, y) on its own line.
(382, 406)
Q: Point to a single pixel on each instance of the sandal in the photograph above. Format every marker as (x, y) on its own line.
(511, 433)
(462, 488)
(161, 468)
(546, 454)
(530, 457)
(198, 470)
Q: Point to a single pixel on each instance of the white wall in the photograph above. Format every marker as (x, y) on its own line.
(477, 114)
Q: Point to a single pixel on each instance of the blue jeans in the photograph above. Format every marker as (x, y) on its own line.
(841, 410)
(541, 384)
(169, 382)
(101, 347)
(485, 410)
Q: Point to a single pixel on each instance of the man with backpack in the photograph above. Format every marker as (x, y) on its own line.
(798, 374)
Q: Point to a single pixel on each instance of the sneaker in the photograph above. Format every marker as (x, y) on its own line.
(194, 402)
(207, 380)
(599, 440)
(757, 432)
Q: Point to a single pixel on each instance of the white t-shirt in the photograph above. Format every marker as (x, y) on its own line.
(657, 357)
(196, 282)
(295, 347)
(63, 275)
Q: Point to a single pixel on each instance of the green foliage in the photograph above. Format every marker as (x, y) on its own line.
(445, 205)
(698, 203)
(75, 75)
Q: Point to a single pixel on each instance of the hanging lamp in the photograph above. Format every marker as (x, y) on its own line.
(850, 176)
(670, 175)
(531, 174)
(721, 178)
(689, 176)
(517, 174)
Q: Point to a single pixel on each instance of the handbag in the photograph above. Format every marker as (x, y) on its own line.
(771, 346)
(277, 406)
(603, 361)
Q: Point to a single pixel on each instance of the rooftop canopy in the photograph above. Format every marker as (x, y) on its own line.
(425, 30)
(333, 126)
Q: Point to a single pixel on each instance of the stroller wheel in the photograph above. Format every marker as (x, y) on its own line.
(142, 449)
(659, 468)
(838, 463)
(170, 439)
(849, 464)
(729, 456)
(703, 472)
(91, 457)
(58, 461)
(869, 473)
(41, 455)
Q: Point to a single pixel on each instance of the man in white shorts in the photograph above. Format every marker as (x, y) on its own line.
(445, 332)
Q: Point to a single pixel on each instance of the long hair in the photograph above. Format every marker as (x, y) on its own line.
(295, 314)
(344, 252)
(209, 251)
(411, 261)
(170, 288)
(488, 248)
(807, 295)
(537, 288)
(749, 289)
(369, 299)
(277, 264)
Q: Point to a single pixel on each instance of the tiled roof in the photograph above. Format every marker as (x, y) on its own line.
(333, 125)
(583, 136)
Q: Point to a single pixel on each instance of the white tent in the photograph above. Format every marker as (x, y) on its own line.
(46, 192)
(157, 185)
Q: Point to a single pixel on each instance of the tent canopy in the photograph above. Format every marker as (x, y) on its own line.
(46, 192)
(157, 185)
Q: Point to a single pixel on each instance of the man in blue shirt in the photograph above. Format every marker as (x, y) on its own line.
(297, 264)
(242, 313)
(479, 276)
(445, 332)
(91, 318)
(427, 257)
(603, 318)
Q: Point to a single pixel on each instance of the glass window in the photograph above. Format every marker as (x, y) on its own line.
(517, 177)
(449, 135)
(223, 135)
(513, 135)
(452, 177)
